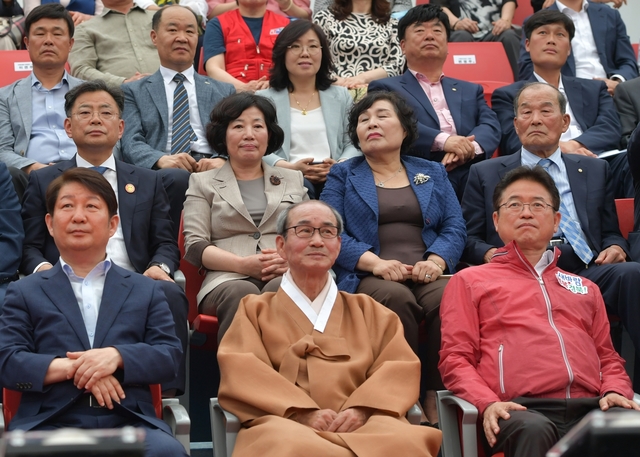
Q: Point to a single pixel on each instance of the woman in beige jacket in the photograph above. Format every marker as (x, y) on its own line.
(230, 213)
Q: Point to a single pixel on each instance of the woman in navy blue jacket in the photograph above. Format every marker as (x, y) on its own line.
(403, 226)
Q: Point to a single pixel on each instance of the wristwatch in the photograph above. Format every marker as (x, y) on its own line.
(163, 266)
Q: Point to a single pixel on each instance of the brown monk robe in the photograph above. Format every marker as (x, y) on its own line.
(273, 362)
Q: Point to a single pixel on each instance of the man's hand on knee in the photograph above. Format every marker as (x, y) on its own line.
(613, 399)
(350, 420)
(495, 411)
(317, 419)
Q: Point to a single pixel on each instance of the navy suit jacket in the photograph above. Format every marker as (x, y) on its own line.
(41, 320)
(612, 42)
(591, 186)
(590, 103)
(465, 100)
(351, 190)
(146, 115)
(144, 216)
(633, 155)
(11, 232)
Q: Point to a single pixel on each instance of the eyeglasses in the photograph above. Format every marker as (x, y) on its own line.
(85, 115)
(306, 231)
(312, 49)
(516, 207)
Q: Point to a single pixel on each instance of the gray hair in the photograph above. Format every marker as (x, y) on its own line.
(562, 101)
(283, 217)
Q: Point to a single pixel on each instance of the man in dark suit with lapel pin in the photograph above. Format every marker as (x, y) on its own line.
(83, 340)
(149, 140)
(595, 127)
(144, 241)
(455, 125)
(592, 245)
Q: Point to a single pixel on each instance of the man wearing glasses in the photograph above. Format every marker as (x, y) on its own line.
(144, 240)
(544, 357)
(588, 235)
(328, 370)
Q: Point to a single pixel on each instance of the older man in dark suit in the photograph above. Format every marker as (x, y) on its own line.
(594, 126)
(83, 340)
(589, 237)
(144, 241)
(455, 125)
(167, 113)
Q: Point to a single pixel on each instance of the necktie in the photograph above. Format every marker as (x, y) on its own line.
(100, 170)
(182, 133)
(571, 228)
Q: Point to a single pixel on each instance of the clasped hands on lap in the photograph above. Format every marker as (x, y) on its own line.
(327, 420)
(423, 272)
(90, 370)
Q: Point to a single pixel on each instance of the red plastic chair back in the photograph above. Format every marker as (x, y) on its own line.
(192, 275)
(201, 70)
(624, 208)
(478, 62)
(635, 48)
(10, 403)
(523, 11)
(14, 65)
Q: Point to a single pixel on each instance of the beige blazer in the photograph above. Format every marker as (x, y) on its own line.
(215, 212)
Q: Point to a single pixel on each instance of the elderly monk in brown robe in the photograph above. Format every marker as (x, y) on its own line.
(313, 371)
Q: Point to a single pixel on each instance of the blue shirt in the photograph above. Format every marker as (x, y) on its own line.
(558, 172)
(49, 142)
(88, 292)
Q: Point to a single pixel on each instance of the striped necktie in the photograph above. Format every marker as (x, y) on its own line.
(571, 228)
(182, 133)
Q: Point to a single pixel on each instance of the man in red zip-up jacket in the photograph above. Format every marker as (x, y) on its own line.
(524, 341)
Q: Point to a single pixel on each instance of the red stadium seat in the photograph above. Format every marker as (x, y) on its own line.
(205, 327)
(635, 48)
(14, 65)
(523, 11)
(624, 208)
(478, 62)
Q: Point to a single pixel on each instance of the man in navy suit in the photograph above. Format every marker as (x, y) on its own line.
(83, 340)
(455, 125)
(144, 241)
(586, 191)
(594, 126)
(149, 139)
(601, 48)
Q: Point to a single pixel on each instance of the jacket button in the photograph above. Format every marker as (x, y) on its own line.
(256, 235)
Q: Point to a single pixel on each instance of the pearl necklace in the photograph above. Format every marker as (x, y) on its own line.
(304, 110)
(381, 183)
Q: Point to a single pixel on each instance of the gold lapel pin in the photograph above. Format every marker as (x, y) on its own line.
(130, 188)
(579, 170)
(454, 89)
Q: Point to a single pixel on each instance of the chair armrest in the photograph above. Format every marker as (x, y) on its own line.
(636, 398)
(2, 425)
(176, 416)
(414, 414)
(448, 406)
(178, 277)
(224, 429)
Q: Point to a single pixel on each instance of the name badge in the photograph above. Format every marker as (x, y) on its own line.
(276, 31)
(571, 283)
